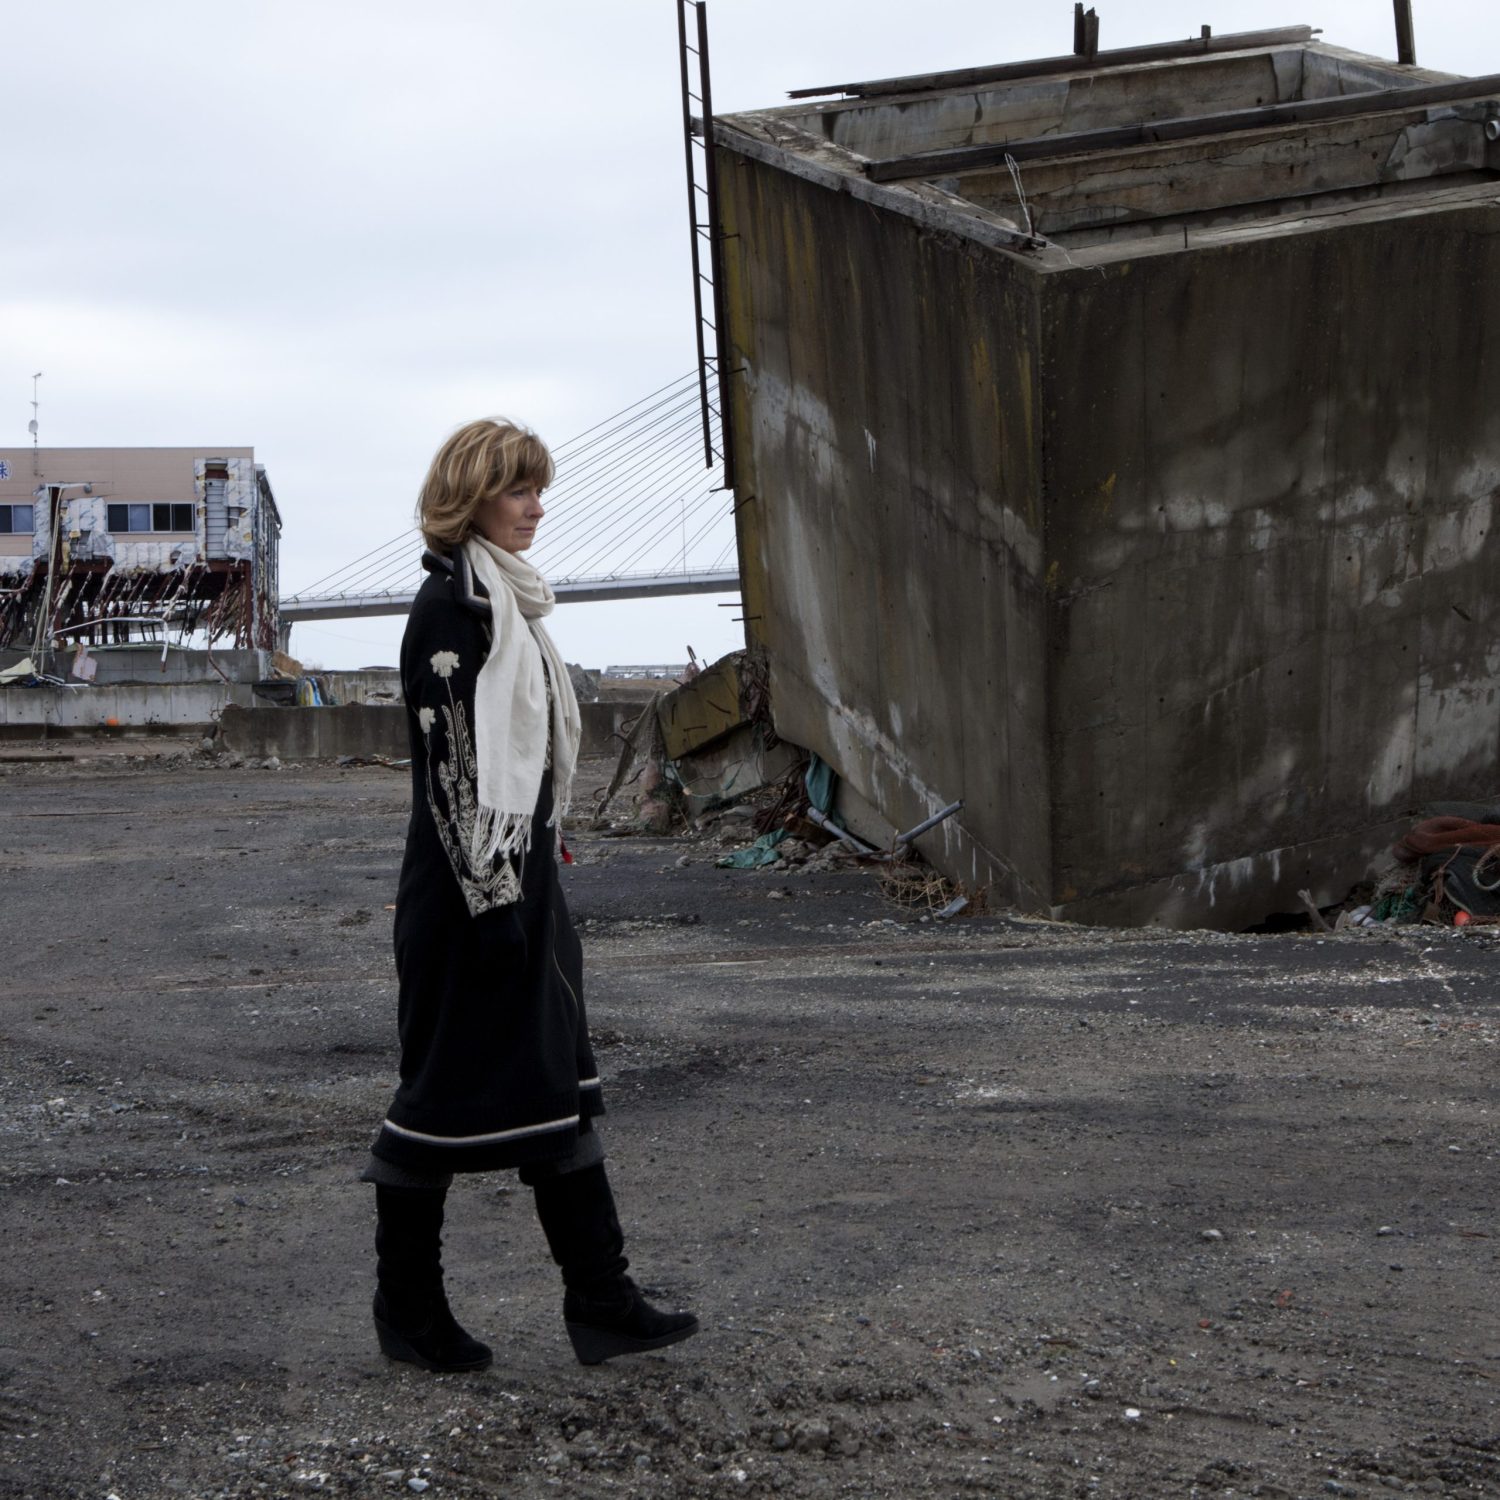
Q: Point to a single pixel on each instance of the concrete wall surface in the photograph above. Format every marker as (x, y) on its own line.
(604, 725)
(193, 705)
(316, 733)
(888, 479)
(370, 729)
(1271, 545)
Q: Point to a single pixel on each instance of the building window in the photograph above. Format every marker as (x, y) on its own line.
(14, 518)
(158, 517)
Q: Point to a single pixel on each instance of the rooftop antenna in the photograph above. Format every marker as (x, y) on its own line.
(31, 427)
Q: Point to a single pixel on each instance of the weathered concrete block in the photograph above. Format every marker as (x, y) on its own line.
(118, 705)
(315, 733)
(604, 726)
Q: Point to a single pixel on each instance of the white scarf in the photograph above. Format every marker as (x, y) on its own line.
(511, 720)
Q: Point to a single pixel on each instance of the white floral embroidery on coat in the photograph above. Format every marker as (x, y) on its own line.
(457, 778)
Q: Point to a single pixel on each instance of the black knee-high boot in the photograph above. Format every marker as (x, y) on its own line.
(604, 1310)
(412, 1318)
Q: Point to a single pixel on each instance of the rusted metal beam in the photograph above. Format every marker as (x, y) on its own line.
(1120, 57)
(1190, 127)
(1406, 41)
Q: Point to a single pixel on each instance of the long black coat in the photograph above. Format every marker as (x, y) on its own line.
(496, 1067)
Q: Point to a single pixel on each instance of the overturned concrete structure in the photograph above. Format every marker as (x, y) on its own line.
(1116, 449)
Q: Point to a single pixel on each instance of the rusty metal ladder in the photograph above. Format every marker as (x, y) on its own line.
(703, 221)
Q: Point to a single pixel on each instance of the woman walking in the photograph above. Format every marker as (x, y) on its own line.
(496, 1067)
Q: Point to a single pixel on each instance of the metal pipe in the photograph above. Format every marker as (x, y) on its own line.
(1406, 42)
(108, 620)
(902, 839)
(841, 834)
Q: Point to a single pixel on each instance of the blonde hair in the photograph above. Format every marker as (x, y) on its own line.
(481, 460)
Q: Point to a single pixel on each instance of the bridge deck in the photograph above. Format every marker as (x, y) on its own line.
(569, 591)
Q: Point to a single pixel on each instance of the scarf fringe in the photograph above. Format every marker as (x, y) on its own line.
(499, 835)
(562, 797)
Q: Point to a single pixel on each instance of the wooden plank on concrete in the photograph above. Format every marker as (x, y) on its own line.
(1116, 138)
(1040, 67)
(1263, 167)
(1052, 106)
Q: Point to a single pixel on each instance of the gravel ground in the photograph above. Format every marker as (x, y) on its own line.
(994, 1207)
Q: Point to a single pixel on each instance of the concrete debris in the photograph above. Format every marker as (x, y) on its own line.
(1444, 870)
(700, 747)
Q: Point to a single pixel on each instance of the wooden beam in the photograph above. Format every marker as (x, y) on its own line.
(1302, 112)
(1406, 42)
(1041, 67)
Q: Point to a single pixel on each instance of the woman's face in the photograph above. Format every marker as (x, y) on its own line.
(510, 519)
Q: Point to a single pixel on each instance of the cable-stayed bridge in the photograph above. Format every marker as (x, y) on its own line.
(634, 514)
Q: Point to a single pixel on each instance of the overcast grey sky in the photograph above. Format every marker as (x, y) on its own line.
(334, 229)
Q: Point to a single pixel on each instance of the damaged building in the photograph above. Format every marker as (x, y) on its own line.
(1115, 449)
(106, 546)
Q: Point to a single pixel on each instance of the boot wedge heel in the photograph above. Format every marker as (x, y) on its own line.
(394, 1346)
(594, 1345)
(442, 1346)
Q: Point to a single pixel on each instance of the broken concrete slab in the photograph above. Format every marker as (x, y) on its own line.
(703, 709)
